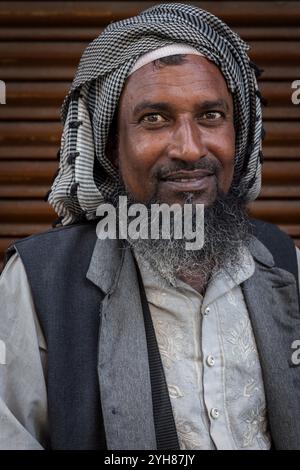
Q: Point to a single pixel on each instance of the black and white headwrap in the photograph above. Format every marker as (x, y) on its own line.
(86, 177)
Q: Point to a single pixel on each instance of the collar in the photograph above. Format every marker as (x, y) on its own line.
(108, 257)
(105, 264)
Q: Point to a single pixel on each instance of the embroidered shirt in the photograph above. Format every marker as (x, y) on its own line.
(210, 359)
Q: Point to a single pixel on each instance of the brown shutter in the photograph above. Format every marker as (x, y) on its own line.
(40, 46)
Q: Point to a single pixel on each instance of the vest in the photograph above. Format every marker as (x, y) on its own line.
(69, 308)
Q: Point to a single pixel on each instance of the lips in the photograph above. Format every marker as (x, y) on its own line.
(195, 180)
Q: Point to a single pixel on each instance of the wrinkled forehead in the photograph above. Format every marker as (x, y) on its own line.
(192, 79)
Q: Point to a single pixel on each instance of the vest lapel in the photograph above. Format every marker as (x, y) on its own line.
(271, 298)
(123, 366)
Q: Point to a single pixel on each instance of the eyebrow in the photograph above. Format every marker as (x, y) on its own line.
(159, 106)
(162, 106)
(207, 105)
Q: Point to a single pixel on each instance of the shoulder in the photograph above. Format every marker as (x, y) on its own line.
(267, 229)
(275, 239)
(60, 233)
(56, 240)
(278, 243)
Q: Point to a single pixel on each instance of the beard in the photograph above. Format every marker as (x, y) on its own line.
(226, 232)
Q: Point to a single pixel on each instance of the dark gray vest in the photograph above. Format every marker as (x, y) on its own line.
(70, 308)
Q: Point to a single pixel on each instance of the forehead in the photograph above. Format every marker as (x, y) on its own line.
(196, 79)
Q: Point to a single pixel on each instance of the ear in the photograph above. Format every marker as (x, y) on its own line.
(111, 150)
(112, 143)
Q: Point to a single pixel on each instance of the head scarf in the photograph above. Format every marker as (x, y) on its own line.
(86, 177)
(165, 51)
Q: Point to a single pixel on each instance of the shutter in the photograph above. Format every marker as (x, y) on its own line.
(40, 46)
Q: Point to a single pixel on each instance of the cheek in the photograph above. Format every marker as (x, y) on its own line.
(140, 150)
(137, 157)
(226, 155)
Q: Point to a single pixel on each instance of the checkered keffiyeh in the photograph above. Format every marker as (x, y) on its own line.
(86, 177)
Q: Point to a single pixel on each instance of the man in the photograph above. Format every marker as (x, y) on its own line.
(140, 343)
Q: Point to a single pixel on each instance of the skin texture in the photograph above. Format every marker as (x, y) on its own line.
(175, 122)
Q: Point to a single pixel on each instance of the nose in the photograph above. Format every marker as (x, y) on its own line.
(187, 142)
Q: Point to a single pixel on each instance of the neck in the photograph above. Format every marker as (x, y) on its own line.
(198, 282)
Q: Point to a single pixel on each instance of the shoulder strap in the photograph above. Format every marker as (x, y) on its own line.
(165, 428)
(280, 245)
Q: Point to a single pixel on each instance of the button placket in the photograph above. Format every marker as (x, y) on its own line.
(212, 376)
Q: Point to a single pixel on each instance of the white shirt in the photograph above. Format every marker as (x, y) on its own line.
(210, 360)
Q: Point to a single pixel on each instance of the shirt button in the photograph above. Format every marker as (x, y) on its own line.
(214, 413)
(206, 311)
(210, 361)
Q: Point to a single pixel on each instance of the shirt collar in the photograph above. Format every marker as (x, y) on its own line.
(221, 282)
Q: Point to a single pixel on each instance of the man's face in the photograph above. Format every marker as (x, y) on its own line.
(176, 132)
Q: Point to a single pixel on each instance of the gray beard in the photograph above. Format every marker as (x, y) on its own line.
(226, 231)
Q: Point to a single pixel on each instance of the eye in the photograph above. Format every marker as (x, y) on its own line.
(213, 115)
(153, 118)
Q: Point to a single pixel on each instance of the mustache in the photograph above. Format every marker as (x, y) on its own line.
(204, 163)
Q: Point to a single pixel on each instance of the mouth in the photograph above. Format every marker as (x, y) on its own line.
(188, 181)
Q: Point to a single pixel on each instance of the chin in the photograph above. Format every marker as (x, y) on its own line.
(206, 198)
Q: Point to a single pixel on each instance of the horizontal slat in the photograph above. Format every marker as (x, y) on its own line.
(28, 93)
(292, 230)
(280, 191)
(29, 113)
(283, 152)
(81, 33)
(36, 52)
(274, 52)
(280, 72)
(279, 212)
(20, 230)
(30, 133)
(100, 13)
(277, 94)
(27, 152)
(56, 33)
(27, 172)
(289, 113)
(266, 33)
(34, 72)
(23, 191)
(285, 172)
(26, 211)
(281, 132)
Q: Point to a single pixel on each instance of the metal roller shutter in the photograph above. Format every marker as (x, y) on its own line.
(40, 46)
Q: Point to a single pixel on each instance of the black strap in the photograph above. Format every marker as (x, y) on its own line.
(165, 429)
